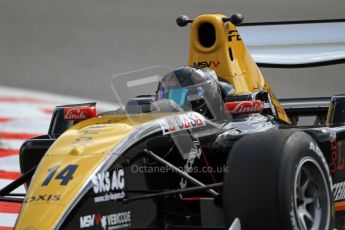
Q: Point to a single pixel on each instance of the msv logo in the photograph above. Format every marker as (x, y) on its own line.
(204, 64)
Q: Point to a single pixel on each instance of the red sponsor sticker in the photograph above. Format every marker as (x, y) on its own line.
(182, 121)
(244, 107)
(79, 113)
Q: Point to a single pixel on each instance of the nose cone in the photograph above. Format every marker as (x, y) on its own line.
(64, 173)
(56, 184)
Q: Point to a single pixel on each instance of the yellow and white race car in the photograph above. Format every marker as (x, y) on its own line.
(203, 146)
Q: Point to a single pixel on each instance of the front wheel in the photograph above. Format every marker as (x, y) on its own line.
(278, 180)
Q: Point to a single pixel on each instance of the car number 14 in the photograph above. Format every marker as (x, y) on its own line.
(65, 175)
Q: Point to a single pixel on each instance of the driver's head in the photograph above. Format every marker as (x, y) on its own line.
(192, 89)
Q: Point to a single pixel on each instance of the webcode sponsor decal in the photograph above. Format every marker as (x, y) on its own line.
(111, 221)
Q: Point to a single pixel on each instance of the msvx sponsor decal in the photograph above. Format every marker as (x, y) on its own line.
(110, 221)
(109, 185)
(206, 64)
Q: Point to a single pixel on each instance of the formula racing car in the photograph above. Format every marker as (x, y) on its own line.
(202, 146)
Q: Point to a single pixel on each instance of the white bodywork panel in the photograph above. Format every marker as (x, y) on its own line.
(295, 44)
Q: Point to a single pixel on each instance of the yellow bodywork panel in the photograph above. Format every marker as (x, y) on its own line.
(44, 205)
(229, 57)
(68, 165)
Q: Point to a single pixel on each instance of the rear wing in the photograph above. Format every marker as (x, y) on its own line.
(307, 111)
(295, 44)
(306, 106)
(326, 110)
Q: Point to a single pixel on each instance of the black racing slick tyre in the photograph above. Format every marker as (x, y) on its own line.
(278, 180)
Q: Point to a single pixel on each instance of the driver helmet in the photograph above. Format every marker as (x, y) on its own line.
(192, 89)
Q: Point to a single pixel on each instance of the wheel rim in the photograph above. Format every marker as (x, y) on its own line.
(311, 195)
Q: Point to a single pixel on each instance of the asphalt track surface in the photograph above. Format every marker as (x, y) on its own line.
(74, 47)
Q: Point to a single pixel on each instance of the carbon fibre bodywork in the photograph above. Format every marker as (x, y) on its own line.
(143, 175)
